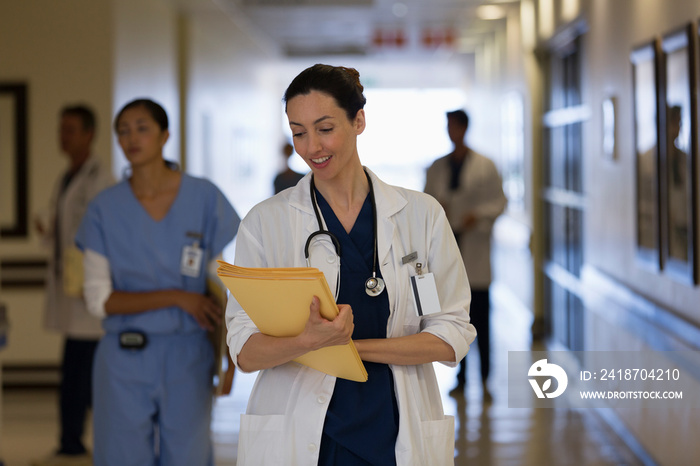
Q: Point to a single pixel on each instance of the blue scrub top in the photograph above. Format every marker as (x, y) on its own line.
(362, 421)
(144, 254)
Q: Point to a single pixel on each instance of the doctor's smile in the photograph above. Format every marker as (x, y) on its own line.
(321, 160)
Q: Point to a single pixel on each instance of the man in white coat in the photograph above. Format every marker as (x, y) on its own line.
(65, 309)
(468, 186)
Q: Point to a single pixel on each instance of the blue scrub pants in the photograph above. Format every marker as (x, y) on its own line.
(167, 384)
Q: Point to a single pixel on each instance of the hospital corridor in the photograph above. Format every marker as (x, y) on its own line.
(487, 433)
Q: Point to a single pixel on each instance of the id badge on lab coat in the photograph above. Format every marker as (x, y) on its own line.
(424, 293)
(191, 261)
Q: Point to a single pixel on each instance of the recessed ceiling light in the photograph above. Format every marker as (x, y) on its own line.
(399, 9)
(490, 12)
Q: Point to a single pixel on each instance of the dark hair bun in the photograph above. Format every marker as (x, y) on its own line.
(355, 75)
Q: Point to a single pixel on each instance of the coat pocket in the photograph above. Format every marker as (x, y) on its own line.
(439, 441)
(261, 440)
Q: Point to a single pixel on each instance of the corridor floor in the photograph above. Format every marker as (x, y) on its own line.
(487, 433)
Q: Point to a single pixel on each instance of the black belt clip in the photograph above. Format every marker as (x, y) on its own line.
(133, 340)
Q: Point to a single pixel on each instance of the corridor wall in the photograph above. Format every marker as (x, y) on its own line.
(628, 306)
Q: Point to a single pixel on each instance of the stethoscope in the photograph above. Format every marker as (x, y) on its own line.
(373, 285)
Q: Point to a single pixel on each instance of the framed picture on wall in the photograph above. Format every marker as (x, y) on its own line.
(645, 84)
(678, 143)
(13, 160)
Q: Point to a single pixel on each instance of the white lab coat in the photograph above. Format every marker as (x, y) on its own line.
(287, 407)
(480, 192)
(68, 314)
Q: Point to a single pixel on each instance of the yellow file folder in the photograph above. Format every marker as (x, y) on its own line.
(277, 301)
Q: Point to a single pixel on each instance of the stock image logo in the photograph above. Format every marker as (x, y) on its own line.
(541, 369)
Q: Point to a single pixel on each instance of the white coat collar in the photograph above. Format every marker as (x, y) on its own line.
(300, 199)
(389, 202)
(88, 168)
(299, 196)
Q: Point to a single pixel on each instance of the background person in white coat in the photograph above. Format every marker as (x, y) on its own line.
(468, 186)
(297, 415)
(65, 308)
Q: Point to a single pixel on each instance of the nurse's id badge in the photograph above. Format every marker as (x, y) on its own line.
(425, 297)
(191, 261)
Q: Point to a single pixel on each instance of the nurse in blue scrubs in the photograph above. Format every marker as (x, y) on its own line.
(147, 243)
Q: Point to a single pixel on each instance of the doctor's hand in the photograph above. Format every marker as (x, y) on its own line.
(320, 332)
(204, 310)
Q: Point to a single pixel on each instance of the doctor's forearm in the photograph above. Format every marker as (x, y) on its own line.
(421, 348)
(263, 352)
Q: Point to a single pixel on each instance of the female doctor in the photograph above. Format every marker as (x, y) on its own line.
(374, 238)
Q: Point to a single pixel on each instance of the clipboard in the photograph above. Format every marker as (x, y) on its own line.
(277, 301)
